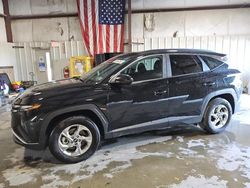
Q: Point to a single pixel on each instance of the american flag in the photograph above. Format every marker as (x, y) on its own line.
(102, 25)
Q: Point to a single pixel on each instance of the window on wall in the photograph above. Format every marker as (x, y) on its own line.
(185, 64)
(146, 69)
(211, 62)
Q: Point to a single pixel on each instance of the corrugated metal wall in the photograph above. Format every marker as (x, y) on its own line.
(237, 48)
(27, 60)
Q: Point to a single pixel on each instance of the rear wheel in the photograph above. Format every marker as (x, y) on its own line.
(74, 139)
(217, 116)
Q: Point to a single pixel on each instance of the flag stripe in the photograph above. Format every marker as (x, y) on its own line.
(111, 39)
(80, 9)
(90, 23)
(118, 38)
(122, 39)
(104, 38)
(108, 38)
(97, 27)
(86, 33)
(81, 15)
(115, 38)
(93, 10)
(100, 42)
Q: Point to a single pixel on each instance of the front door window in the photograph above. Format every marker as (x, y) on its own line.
(145, 69)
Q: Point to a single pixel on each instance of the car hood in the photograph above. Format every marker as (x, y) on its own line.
(58, 85)
(53, 89)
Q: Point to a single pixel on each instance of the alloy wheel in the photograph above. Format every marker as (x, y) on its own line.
(75, 140)
(218, 116)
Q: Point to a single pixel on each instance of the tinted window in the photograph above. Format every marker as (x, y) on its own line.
(211, 62)
(148, 68)
(184, 64)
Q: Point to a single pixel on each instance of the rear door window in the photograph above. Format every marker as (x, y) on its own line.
(212, 63)
(185, 64)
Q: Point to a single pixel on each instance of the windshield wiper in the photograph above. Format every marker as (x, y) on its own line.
(78, 78)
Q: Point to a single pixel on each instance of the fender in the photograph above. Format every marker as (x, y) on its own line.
(230, 91)
(52, 115)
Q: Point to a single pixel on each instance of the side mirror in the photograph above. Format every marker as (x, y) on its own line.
(122, 79)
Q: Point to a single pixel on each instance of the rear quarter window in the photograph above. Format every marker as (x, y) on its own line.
(211, 62)
(185, 64)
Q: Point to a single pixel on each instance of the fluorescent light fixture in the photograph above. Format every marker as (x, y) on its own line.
(49, 70)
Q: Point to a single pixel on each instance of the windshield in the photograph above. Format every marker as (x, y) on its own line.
(102, 71)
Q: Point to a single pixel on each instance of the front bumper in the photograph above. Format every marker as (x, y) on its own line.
(18, 140)
(26, 131)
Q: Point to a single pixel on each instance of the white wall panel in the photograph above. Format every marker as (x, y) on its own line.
(165, 24)
(58, 29)
(196, 23)
(1, 7)
(24, 7)
(22, 30)
(209, 22)
(20, 7)
(2, 31)
(2, 25)
(239, 22)
(50, 29)
(195, 3)
(48, 6)
(8, 57)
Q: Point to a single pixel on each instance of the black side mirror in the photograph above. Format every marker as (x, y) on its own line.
(121, 79)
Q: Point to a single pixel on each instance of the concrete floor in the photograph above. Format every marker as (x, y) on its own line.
(181, 157)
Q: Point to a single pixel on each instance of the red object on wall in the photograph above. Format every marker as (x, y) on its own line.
(66, 72)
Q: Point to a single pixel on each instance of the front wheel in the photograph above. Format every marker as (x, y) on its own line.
(217, 116)
(74, 139)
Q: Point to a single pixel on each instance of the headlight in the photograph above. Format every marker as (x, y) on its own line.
(30, 107)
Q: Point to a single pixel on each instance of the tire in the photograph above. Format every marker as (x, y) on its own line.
(74, 139)
(214, 120)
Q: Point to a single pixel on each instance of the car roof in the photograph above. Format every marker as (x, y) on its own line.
(173, 50)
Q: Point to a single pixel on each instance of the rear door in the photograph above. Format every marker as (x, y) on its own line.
(214, 79)
(186, 86)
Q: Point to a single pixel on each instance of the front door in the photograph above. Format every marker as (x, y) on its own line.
(143, 100)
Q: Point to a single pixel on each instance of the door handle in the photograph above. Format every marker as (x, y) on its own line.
(209, 83)
(160, 92)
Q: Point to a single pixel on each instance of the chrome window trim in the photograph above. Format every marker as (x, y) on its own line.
(149, 80)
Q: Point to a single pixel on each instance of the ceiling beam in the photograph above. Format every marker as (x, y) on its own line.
(139, 11)
(217, 7)
(7, 20)
(42, 16)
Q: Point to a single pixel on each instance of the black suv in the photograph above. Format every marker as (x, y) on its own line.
(130, 93)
